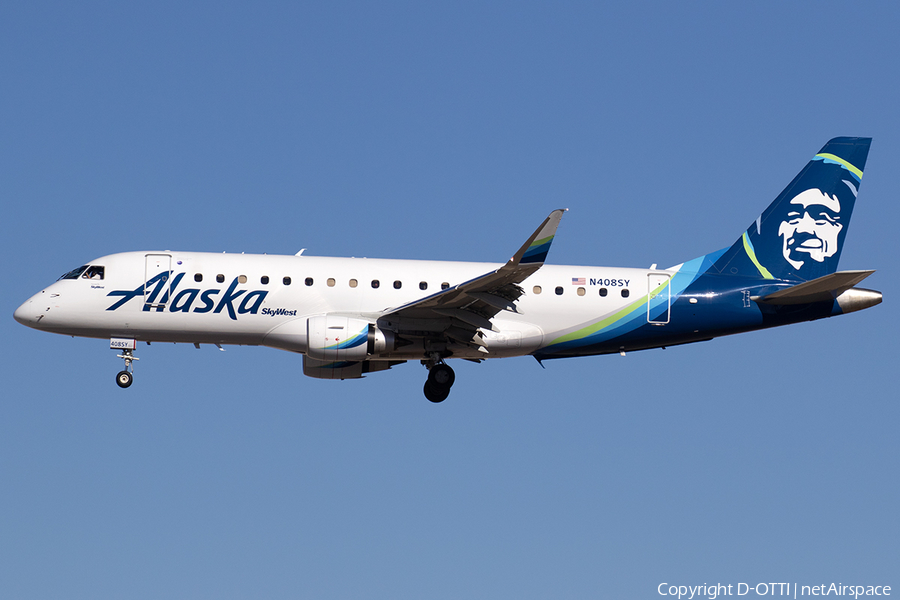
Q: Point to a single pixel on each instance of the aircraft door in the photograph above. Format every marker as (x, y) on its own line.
(659, 299)
(158, 268)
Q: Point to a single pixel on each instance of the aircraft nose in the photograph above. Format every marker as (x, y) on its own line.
(21, 314)
(31, 312)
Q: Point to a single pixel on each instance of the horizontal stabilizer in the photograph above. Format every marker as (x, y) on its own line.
(822, 289)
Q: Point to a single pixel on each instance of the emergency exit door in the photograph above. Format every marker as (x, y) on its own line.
(659, 299)
(157, 271)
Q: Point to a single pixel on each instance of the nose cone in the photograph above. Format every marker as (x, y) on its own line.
(30, 313)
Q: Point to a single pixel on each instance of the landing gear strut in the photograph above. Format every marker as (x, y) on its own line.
(126, 377)
(440, 380)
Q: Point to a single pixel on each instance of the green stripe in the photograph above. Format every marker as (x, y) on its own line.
(748, 248)
(659, 288)
(841, 161)
(541, 241)
(592, 329)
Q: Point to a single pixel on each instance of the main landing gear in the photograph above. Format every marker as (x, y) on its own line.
(440, 380)
(126, 377)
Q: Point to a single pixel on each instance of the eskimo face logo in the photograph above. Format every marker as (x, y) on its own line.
(811, 229)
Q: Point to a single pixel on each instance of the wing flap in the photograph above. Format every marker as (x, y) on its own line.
(498, 302)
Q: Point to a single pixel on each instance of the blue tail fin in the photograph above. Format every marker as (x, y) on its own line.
(801, 234)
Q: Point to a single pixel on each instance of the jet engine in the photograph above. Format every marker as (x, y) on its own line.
(339, 338)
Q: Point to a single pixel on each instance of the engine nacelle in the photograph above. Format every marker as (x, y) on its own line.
(340, 338)
(344, 369)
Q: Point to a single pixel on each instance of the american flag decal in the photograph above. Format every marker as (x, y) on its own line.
(578, 281)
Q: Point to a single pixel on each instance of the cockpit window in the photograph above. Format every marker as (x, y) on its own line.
(93, 272)
(74, 273)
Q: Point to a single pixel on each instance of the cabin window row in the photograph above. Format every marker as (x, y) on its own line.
(309, 281)
(560, 290)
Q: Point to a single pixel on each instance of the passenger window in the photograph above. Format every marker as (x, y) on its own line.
(537, 289)
(242, 279)
(308, 281)
(198, 277)
(286, 281)
(330, 282)
(264, 280)
(93, 272)
(445, 285)
(74, 273)
(603, 292)
(375, 284)
(581, 291)
(353, 283)
(558, 290)
(220, 278)
(398, 285)
(423, 285)
(625, 293)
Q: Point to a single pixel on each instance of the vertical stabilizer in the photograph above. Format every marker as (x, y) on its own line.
(800, 235)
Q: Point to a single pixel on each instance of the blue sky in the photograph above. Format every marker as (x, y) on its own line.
(441, 131)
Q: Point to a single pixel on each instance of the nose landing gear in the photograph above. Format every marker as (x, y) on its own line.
(125, 377)
(440, 380)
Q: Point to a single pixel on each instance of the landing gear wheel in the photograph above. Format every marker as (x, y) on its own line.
(434, 394)
(441, 376)
(124, 379)
(440, 380)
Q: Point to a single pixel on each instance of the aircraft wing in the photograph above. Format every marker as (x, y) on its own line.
(460, 310)
(822, 289)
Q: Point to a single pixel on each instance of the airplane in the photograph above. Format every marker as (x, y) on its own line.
(352, 316)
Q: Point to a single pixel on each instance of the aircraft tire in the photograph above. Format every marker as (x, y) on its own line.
(124, 379)
(434, 393)
(441, 376)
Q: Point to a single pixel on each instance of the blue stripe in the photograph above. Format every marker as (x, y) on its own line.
(536, 254)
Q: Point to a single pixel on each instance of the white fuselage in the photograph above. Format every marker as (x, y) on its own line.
(266, 300)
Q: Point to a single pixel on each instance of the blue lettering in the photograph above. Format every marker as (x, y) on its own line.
(229, 297)
(126, 296)
(279, 312)
(245, 306)
(169, 291)
(163, 294)
(189, 295)
(160, 280)
(610, 282)
(205, 297)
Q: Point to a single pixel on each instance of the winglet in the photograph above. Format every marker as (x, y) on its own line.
(536, 248)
